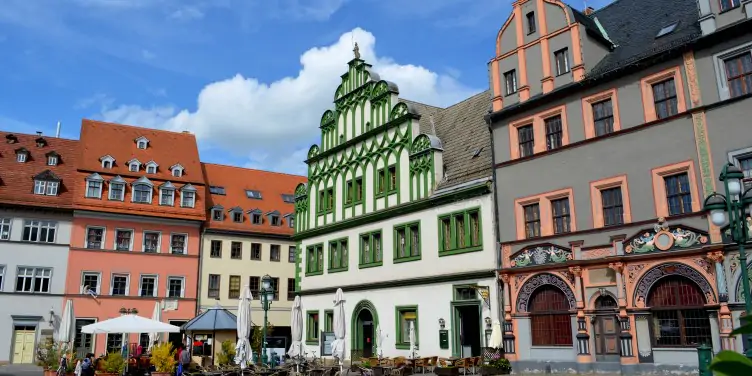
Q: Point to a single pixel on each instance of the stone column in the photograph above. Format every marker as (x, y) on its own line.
(625, 338)
(725, 325)
(508, 336)
(583, 338)
(618, 267)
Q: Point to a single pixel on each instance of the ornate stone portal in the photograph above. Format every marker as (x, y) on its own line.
(664, 238)
(670, 269)
(539, 280)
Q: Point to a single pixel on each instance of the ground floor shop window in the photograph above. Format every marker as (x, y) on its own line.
(550, 319)
(679, 319)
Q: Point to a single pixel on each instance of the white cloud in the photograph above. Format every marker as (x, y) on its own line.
(187, 13)
(274, 124)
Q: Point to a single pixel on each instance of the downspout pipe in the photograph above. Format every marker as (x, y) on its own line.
(499, 287)
(200, 262)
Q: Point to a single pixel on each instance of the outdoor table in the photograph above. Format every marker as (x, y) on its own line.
(452, 360)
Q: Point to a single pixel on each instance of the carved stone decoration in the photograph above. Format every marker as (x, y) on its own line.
(518, 281)
(671, 269)
(664, 238)
(633, 271)
(568, 275)
(592, 254)
(704, 264)
(540, 255)
(539, 280)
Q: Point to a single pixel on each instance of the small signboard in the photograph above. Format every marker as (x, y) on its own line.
(326, 343)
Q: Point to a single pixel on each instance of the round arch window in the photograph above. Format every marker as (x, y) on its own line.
(679, 316)
(550, 320)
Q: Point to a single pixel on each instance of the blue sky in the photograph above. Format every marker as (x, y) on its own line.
(250, 78)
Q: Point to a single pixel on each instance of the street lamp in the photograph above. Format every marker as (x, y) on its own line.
(267, 295)
(731, 209)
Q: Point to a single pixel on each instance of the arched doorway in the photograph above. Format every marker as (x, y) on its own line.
(550, 319)
(364, 323)
(606, 329)
(679, 316)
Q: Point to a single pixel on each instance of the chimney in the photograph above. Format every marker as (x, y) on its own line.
(57, 133)
(39, 133)
(187, 132)
(589, 10)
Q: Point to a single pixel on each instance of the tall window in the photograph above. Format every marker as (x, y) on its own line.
(91, 281)
(167, 197)
(256, 251)
(406, 316)
(94, 237)
(562, 61)
(33, 279)
(119, 285)
(178, 244)
(407, 241)
(254, 284)
(603, 117)
(553, 132)
(550, 320)
(370, 248)
(39, 231)
(214, 283)
(123, 239)
(532, 220)
(175, 287)
(236, 250)
(234, 290)
(745, 164)
(729, 4)
(312, 326)
(151, 242)
(291, 289)
(338, 254)
(84, 341)
(560, 213)
(275, 287)
(613, 207)
(460, 231)
(187, 199)
(94, 188)
(679, 318)
(5, 228)
(216, 249)
(678, 195)
(510, 82)
(148, 285)
(530, 22)
(114, 342)
(526, 140)
(739, 72)
(274, 252)
(117, 191)
(291, 254)
(664, 98)
(142, 193)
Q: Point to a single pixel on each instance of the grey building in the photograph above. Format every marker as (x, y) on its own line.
(609, 128)
(35, 226)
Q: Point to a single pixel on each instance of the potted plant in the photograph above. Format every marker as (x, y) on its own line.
(447, 371)
(163, 359)
(498, 365)
(112, 365)
(48, 357)
(227, 355)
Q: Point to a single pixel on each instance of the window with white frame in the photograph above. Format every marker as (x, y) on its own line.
(117, 191)
(95, 237)
(151, 168)
(21, 157)
(148, 286)
(166, 196)
(743, 159)
(52, 160)
(94, 188)
(5, 228)
(734, 71)
(187, 199)
(2, 276)
(134, 166)
(123, 240)
(107, 161)
(39, 231)
(175, 287)
(177, 172)
(91, 281)
(33, 280)
(114, 343)
(142, 142)
(83, 341)
(120, 285)
(178, 244)
(151, 241)
(46, 187)
(142, 193)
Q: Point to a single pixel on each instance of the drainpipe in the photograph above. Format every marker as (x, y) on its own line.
(499, 288)
(200, 259)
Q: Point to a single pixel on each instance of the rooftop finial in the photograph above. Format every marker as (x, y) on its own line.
(356, 51)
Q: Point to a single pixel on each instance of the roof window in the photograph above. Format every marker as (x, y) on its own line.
(667, 30)
(290, 199)
(142, 142)
(253, 194)
(215, 190)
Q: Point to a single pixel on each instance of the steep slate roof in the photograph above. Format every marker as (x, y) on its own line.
(235, 181)
(633, 25)
(16, 179)
(463, 133)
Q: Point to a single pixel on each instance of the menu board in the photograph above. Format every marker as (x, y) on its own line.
(326, 343)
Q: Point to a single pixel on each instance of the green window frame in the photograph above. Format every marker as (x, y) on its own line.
(371, 249)
(387, 180)
(315, 253)
(338, 255)
(312, 327)
(354, 191)
(326, 200)
(460, 232)
(407, 242)
(328, 320)
(402, 315)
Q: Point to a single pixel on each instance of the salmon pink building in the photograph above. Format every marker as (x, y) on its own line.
(135, 238)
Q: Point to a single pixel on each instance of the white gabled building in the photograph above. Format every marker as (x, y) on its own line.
(398, 212)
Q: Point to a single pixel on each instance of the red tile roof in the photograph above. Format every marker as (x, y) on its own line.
(16, 178)
(235, 181)
(100, 139)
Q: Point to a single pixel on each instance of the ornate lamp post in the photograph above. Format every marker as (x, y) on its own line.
(267, 296)
(731, 209)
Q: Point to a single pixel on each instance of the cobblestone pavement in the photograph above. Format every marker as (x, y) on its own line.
(20, 370)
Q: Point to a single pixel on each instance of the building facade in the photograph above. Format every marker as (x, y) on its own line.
(248, 234)
(397, 212)
(135, 239)
(608, 130)
(37, 185)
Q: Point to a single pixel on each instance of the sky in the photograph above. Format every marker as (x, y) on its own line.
(250, 78)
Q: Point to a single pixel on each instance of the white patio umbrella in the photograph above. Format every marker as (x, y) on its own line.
(338, 345)
(296, 329)
(412, 339)
(129, 324)
(380, 340)
(495, 335)
(65, 330)
(243, 353)
(156, 316)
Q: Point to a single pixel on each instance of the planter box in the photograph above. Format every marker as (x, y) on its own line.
(446, 371)
(490, 371)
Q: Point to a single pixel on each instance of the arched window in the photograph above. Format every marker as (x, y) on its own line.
(679, 316)
(550, 320)
(605, 302)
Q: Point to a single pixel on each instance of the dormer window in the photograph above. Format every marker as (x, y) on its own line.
(217, 213)
(117, 189)
(237, 214)
(151, 167)
(176, 170)
(108, 161)
(41, 142)
(46, 184)
(134, 165)
(188, 196)
(142, 191)
(52, 160)
(530, 22)
(22, 155)
(273, 218)
(255, 216)
(166, 194)
(142, 142)
(94, 184)
(290, 220)
(11, 138)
